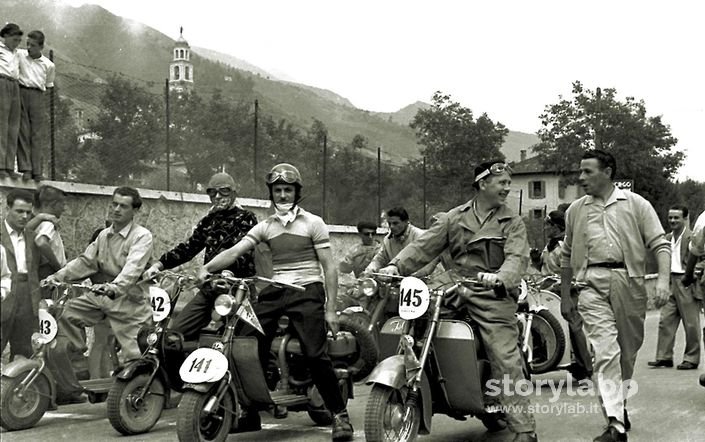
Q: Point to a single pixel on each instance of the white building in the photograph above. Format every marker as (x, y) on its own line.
(180, 68)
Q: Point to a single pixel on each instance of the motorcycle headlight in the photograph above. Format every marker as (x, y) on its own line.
(224, 304)
(152, 338)
(37, 341)
(368, 286)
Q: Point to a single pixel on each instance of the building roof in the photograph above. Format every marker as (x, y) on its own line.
(533, 166)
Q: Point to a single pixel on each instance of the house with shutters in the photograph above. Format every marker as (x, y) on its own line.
(540, 187)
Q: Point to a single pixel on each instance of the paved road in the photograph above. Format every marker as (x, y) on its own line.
(670, 406)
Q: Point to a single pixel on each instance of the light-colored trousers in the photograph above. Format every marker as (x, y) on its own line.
(613, 307)
(681, 305)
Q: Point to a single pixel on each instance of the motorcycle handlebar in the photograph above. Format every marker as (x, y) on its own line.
(235, 280)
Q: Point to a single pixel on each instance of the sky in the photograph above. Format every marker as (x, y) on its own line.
(509, 59)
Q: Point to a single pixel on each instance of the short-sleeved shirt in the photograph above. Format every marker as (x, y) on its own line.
(47, 228)
(35, 72)
(9, 62)
(293, 246)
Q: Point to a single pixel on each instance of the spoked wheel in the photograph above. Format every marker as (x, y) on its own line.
(387, 418)
(130, 414)
(21, 410)
(193, 424)
(548, 342)
(365, 358)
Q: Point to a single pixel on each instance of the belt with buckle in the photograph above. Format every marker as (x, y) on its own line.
(608, 265)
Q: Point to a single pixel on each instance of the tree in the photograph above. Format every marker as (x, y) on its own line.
(642, 145)
(129, 129)
(455, 142)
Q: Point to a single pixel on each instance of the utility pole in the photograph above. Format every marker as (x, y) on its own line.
(379, 184)
(598, 126)
(325, 159)
(168, 147)
(254, 162)
(424, 192)
(52, 126)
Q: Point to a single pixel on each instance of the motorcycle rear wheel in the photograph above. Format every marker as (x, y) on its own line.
(129, 417)
(20, 413)
(548, 342)
(387, 418)
(192, 425)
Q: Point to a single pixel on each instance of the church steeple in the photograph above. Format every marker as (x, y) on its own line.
(180, 68)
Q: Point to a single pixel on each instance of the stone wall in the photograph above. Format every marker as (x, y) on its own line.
(169, 215)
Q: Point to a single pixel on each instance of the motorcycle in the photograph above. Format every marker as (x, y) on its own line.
(366, 306)
(143, 388)
(544, 334)
(28, 386)
(225, 371)
(434, 363)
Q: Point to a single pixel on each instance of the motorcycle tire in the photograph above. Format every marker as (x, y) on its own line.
(128, 417)
(548, 342)
(383, 403)
(367, 354)
(193, 426)
(21, 413)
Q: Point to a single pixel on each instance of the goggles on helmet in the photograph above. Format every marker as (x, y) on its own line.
(223, 191)
(288, 176)
(495, 169)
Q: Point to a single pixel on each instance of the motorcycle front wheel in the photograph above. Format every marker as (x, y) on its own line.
(387, 418)
(194, 425)
(129, 414)
(22, 412)
(548, 342)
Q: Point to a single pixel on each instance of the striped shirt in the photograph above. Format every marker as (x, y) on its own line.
(294, 257)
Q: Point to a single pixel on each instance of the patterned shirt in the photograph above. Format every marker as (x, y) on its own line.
(216, 232)
(293, 246)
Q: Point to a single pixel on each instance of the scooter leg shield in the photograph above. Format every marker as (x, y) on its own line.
(245, 357)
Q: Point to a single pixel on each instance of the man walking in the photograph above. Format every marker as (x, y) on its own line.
(36, 75)
(607, 233)
(681, 305)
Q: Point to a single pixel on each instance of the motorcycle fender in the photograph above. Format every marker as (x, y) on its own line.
(20, 367)
(389, 372)
(201, 388)
(136, 367)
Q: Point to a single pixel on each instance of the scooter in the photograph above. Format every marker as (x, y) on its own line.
(28, 386)
(434, 363)
(225, 371)
(367, 305)
(545, 340)
(143, 388)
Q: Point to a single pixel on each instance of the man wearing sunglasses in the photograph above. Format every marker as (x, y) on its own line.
(360, 256)
(487, 241)
(301, 254)
(224, 225)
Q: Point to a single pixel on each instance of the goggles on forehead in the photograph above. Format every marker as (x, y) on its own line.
(495, 169)
(223, 191)
(288, 176)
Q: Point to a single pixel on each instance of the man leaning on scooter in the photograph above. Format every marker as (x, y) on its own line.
(488, 241)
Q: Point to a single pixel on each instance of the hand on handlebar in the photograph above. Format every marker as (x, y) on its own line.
(151, 272)
(203, 275)
(489, 280)
(49, 281)
(105, 289)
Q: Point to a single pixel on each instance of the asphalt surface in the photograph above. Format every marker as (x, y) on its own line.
(669, 406)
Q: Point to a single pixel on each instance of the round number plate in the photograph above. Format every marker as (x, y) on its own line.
(413, 298)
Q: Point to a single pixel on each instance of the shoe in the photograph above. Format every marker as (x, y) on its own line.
(526, 437)
(342, 428)
(73, 398)
(687, 365)
(611, 434)
(702, 379)
(280, 412)
(668, 363)
(26, 176)
(627, 423)
(250, 421)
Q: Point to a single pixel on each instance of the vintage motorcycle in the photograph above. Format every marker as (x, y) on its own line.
(143, 388)
(28, 386)
(225, 371)
(363, 310)
(435, 363)
(544, 333)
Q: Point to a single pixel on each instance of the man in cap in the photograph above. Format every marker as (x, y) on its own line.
(224, 225)
(10, 37)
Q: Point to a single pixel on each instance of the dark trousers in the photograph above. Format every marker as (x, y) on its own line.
(195, 315)
(17, 329)
(32, 137)
(9, 122)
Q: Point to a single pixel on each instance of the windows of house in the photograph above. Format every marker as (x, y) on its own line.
(537, 189)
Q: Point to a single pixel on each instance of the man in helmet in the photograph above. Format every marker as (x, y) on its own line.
(300, 246)
(224, 225)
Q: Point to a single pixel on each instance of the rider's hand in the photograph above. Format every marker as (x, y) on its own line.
(151, 272)
(662, 293)
(105, 289)
(203, 274)
(688, 279)
(48, 281)
(332, 320)
(489, 280)
(390, 270)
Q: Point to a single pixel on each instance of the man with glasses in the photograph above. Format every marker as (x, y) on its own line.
(360, 256)
(224, 225)
(487, 241)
